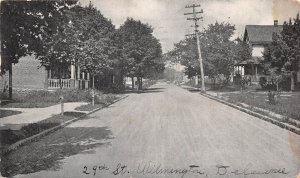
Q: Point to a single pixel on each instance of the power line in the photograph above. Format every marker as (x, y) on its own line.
(196, 19)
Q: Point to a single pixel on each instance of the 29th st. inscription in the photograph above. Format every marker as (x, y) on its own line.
(158, 169)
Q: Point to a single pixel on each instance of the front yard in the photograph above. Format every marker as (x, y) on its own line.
(288, 103)
(44, 98)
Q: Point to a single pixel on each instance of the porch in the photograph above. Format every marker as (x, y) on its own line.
(67, 76)
(250, 69)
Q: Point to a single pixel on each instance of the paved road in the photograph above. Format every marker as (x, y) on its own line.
(168, 132)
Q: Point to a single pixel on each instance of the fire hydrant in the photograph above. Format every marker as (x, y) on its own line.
(61, 100)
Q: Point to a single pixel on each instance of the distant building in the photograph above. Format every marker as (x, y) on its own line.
(258, 37)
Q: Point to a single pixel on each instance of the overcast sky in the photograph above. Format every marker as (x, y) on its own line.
(170, 25)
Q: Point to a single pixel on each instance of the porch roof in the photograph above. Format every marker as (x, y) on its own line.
(254, 60)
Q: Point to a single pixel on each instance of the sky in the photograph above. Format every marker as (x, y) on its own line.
(170, 24)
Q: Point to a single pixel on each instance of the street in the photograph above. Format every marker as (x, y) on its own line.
(170, 132)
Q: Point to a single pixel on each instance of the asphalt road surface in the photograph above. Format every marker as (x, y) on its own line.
(171, 132)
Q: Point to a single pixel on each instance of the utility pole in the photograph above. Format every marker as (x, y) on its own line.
(196, 19)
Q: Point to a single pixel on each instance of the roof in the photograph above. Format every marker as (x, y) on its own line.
(261, 34)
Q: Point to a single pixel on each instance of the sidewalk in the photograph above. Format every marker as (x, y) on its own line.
(32, 115)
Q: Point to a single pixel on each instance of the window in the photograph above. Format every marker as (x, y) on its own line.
(257, 51)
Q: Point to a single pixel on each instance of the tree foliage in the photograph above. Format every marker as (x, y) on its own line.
(141, 50)
(64, 32)
(218, 51)
(22, 25)
(282, 56)
(85, 38)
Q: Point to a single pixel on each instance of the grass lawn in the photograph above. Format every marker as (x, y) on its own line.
(288, 104)
(89, 107)
(44, 98)
(4, 113)
(29, 104)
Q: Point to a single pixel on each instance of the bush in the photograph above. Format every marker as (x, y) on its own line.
(4, 95)
(266, 85)
(262, 82)
(285, 85)
(104, 99)
(240, 82)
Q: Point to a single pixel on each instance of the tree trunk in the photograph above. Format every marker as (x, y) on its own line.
(140, 87)
(10, 81)
(277, 86)
(214, 87)
(292, 82)
(93, 82)
(132, 83)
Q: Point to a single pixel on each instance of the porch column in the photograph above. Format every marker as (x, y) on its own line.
(83, 75)
(72, 71)
(234, 69)
(196, 80)
(77, 81)
(256, 72)
(242, 69)
(72, 77)
(87, 86)
(78, 72)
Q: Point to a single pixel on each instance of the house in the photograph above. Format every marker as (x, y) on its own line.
(29, 74)
(257, 37)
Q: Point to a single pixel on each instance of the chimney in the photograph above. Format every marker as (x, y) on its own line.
(275, 23)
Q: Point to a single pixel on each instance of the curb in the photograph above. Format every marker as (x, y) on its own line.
(53, 129)
(258, 115)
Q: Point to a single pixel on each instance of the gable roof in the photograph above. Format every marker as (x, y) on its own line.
(261, 34)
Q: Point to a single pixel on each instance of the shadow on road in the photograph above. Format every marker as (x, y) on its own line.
(148, 90)
(48, 152)
(194, 90)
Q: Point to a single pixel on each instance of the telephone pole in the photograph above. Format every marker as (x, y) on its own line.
(196, 19)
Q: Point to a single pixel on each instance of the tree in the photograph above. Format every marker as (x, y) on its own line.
(275, 57)
(21, 29)
(291, 36)
(142, 51)
(85, 38)
(241, 51)
(186, 53)
(282, 56)
(218, 52)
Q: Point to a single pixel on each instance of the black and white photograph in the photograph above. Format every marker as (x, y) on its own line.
(150, 89)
